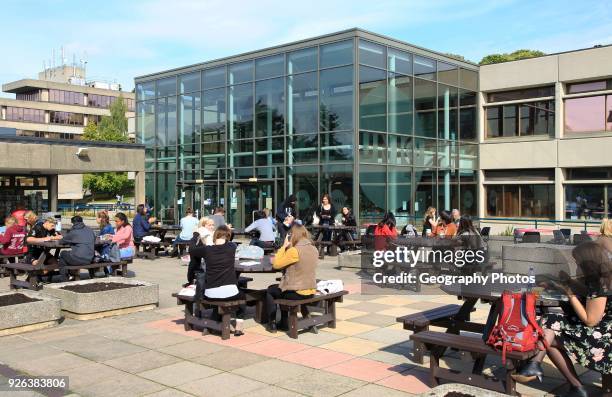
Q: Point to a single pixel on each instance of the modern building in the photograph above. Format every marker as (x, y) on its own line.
(58, 105)
(546, 137)
(375, 122)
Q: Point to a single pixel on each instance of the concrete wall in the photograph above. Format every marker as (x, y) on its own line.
(526, 154)
(62, 159)
(70, 187)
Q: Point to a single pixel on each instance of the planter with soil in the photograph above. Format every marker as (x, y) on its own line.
(25, 311)
(97, 298)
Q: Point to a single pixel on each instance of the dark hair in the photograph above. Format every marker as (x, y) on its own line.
(76, 219)
(140, 209)
(188, 211)
(446, 218)
(325, 195)
(466, 225)
(103, 216)
(121, 216)
(388, 219)
(291, 199)
(220, 210)
(592, 258)
(223, 232)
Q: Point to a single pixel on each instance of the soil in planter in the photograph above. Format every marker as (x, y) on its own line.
(97, 287)
(15, 299)
(457, 394)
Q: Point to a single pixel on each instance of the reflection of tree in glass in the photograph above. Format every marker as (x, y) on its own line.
(268, 120)
(329, 120)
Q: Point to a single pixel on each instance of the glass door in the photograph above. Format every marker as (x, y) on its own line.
(245, 199)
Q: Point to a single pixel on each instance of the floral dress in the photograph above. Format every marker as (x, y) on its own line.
(591, 347)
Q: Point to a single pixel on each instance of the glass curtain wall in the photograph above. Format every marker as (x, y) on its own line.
(289, 120)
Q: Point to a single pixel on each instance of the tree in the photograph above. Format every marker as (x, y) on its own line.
(112, 128)
(513, 56)
(456, 56)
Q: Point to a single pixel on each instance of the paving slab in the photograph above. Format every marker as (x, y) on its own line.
(217, 385)
(106, 351)
(49, 365)
(158, 340)
(191, 349)
(179, 373)
(169, 393)
(387, 336)
(354, 346)
(123, 385)
(143, 361)
(371, 390)
(86, 375)
(229, 359)
(378, 320)
(322, 385)
(273, 371)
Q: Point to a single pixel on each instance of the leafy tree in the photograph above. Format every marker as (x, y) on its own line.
(112, 128)
(513, 56)
(456, 56)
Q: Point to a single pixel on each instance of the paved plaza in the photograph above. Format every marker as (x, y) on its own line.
(149, 353)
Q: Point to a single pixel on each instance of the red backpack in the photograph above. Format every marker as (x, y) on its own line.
(516, 328)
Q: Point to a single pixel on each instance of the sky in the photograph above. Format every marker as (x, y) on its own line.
(122, 39)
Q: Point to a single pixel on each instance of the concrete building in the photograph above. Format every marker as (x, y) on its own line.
(58, 105)
(545, 137)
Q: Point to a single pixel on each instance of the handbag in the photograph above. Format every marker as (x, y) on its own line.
(315, 219)
(114, 254)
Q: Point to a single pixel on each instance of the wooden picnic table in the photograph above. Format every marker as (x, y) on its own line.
(161, 230)
(58, 245)
(264, 266)
(336, 231)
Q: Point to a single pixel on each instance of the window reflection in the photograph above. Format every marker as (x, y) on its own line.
(372, 99)
(336, 54)
(336, 107)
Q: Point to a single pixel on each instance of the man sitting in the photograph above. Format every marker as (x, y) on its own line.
(82, 240)
(265, 227)
(40, 231)
(189, 224)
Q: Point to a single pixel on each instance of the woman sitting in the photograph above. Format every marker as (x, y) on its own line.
(446, 227)
(13, 238)
(605, 238)
(347, 219)
(205, 231)
(298, 258)
(583, 331)
(124, 236)
(106, 232)
(384, 231)
(220, 280)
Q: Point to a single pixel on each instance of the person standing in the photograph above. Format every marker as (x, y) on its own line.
(82, 242)
(219, 217)
(285, 215)
(326, 214)
(430, 222)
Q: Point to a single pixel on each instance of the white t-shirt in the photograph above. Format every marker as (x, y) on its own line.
(188, 226)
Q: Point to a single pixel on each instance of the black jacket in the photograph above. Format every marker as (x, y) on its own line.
(82, 241)
(220, 261)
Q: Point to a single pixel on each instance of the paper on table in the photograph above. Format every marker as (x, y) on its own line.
(249, 263)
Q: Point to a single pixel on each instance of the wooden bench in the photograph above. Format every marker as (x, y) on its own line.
(442, 316)
(328, 317)
(7, 259)
(193, 318)
(433, 341)
(321, 247)
(150, 250)
(33, 272)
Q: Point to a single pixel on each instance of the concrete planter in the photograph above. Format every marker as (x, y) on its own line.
(442, 390)
(87, 306)
(549, 259)
(29, 316)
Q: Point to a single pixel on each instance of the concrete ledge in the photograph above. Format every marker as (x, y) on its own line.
(91, 305)
(442, 390)
(29, 316)
(544, 258)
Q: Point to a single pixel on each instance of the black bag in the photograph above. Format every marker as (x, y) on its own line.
(200, 284)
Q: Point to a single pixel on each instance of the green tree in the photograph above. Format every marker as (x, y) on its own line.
(112, 128)
(513, 56)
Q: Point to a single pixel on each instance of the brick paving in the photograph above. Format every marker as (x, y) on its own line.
(149, 353)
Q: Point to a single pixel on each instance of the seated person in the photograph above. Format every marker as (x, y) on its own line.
(82, 240)
(385, 231)
(142, 224)
(124, 236)
(298, 258)
(205, 231)
(446, 227)
(188, 225)
(582, 331)
(346, 219)
(40, 231)
(266, 231)
(13, 238)
(220, 279)
(106, 232)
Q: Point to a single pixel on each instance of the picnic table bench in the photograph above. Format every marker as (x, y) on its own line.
(6, 259)
(327, 303)
(333, 243)
(33, 272)
(150, 249)
(443, 316)
(437, 342)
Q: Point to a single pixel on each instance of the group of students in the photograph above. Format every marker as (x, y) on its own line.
(24, 229)
(212, 260)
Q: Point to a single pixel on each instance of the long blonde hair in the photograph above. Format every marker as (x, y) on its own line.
(606, 227)
(203, 221)
(298, 233)
(429, 213)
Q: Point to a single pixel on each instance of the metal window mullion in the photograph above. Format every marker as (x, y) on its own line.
(356, 132)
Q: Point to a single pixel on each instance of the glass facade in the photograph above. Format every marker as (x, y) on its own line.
(376, 127)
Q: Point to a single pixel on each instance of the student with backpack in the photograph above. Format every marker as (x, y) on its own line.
(583, 330)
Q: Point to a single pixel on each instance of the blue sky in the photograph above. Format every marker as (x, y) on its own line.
(124, 39)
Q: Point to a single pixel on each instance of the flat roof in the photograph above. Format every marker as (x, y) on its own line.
(344, 34)
(25, 85)
(597, 47)
(70, 142)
